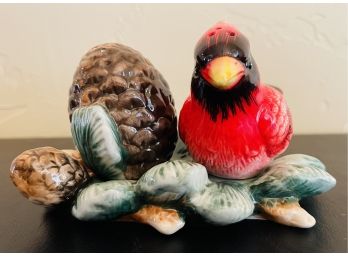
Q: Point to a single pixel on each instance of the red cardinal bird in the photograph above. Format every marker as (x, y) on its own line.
(232, 123)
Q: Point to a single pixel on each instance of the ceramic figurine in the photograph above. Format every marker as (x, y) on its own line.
(122, 112)
(123, 124)
(244, 123)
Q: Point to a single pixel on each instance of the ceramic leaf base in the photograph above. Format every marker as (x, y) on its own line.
(168, 192)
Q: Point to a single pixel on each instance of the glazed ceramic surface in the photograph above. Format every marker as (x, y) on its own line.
(170, 191)
(124, 126)
(135, 95)
(244, 123)
(49, 176)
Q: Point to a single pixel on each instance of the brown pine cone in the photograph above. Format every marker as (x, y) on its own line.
(137, 97)
(47, 175)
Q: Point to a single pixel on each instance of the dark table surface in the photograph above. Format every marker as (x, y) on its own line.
(26, 227)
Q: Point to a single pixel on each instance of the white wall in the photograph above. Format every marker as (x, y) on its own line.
(300, 48)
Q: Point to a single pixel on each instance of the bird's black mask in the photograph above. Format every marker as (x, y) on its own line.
(224, 40)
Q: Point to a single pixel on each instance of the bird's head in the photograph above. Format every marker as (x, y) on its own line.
(225, 72)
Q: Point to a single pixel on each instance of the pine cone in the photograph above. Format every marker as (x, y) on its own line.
(47, 175)
(137, 97)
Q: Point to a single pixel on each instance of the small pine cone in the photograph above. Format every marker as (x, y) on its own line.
(47, 175)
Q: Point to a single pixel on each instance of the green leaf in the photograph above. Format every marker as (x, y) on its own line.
(97, 138)
(181, 152)
(171, 180)
(223, 204)
(295, 175)
(105, 200)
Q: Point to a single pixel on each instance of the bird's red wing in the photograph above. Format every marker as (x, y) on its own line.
(274, 121)
(184, 119)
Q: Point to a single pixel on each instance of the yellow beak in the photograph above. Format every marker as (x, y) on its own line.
(224, 72)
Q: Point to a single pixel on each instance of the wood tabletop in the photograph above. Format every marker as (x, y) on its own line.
(26, 227)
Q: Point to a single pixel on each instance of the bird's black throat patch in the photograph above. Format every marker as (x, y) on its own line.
(216, 101)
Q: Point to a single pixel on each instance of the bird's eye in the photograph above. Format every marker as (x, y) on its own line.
(248, 65)
(203, 59)
(207, 58)
(235, 53)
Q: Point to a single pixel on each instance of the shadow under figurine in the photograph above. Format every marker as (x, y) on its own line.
(123, 123)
